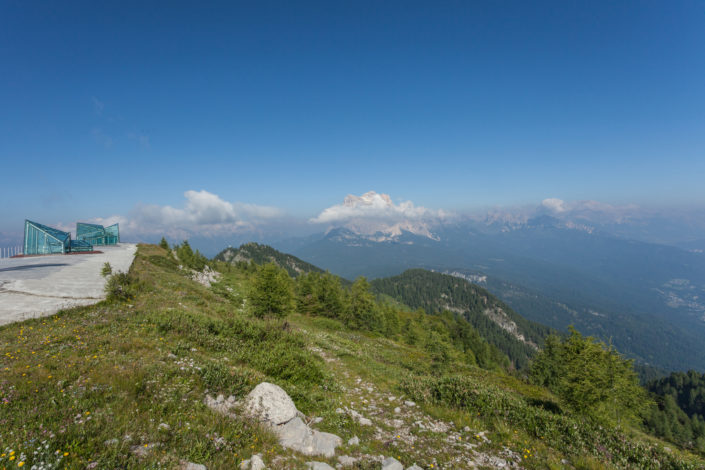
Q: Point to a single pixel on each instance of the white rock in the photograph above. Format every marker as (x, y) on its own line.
(414, 467)
(220, 405)
(409, 403)
(191, 466)
(359, 418)
(270, 403)
(299, 437)
(347, 461)
(390, 463)
(163, 427)
(354, 441)
(318, 466)
(397, 410)
(253, 463)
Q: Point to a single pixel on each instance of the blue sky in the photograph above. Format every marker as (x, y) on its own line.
(106, 109)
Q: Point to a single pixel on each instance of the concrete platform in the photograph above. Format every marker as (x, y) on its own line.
(39, 286)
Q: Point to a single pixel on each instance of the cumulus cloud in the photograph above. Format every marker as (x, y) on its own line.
(554, 204)
(203, 213)
(372, 205)
(374, 213)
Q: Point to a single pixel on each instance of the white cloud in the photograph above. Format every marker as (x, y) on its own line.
(203, 213)
(554, 204)
(375, 206)
(374, 213)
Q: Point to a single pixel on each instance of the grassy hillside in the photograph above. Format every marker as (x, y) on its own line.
(121, 384)
(434, 292)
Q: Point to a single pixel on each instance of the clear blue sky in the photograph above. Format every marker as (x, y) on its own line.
(295, 104)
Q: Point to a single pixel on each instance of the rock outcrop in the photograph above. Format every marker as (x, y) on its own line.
(271, 405)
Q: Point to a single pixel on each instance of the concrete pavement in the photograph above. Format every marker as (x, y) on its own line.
(39, 286)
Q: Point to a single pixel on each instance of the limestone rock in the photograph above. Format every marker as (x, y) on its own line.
(409, 403)
(253, 463)
(318, 466)
(347, 461)
(359, 418)
(270, 403)
(191, 466)
(354, 441)
(299, 437)
(414, 467)
(390, 463)
(220, 404)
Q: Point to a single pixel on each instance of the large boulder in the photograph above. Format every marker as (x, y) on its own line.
(269, 403)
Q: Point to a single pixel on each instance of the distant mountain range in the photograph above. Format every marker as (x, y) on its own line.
(648, 299)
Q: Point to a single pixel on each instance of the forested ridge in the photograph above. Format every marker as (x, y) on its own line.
(435, 293)
(680, 414)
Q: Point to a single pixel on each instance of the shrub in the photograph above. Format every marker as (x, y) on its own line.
(121, 287)
(222, 378)
(107, 270)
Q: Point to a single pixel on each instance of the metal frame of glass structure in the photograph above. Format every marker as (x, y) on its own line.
(40, 239)
(97, 234)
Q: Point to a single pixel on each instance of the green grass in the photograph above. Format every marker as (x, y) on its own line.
(86, 386)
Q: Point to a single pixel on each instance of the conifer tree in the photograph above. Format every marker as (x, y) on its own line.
(590, 378)
(271, 294)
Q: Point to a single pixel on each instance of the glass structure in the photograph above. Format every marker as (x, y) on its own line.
(80, 245)
(97, 234)
(42, 240)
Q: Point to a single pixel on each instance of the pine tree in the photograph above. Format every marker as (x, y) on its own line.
(362, 308)
(590, 378)
(271, 294)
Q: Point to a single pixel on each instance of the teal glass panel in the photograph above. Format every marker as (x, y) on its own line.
(40, 239)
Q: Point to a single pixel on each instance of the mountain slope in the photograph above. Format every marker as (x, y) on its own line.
(261, 254)
(497, 323)
(125, 385)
